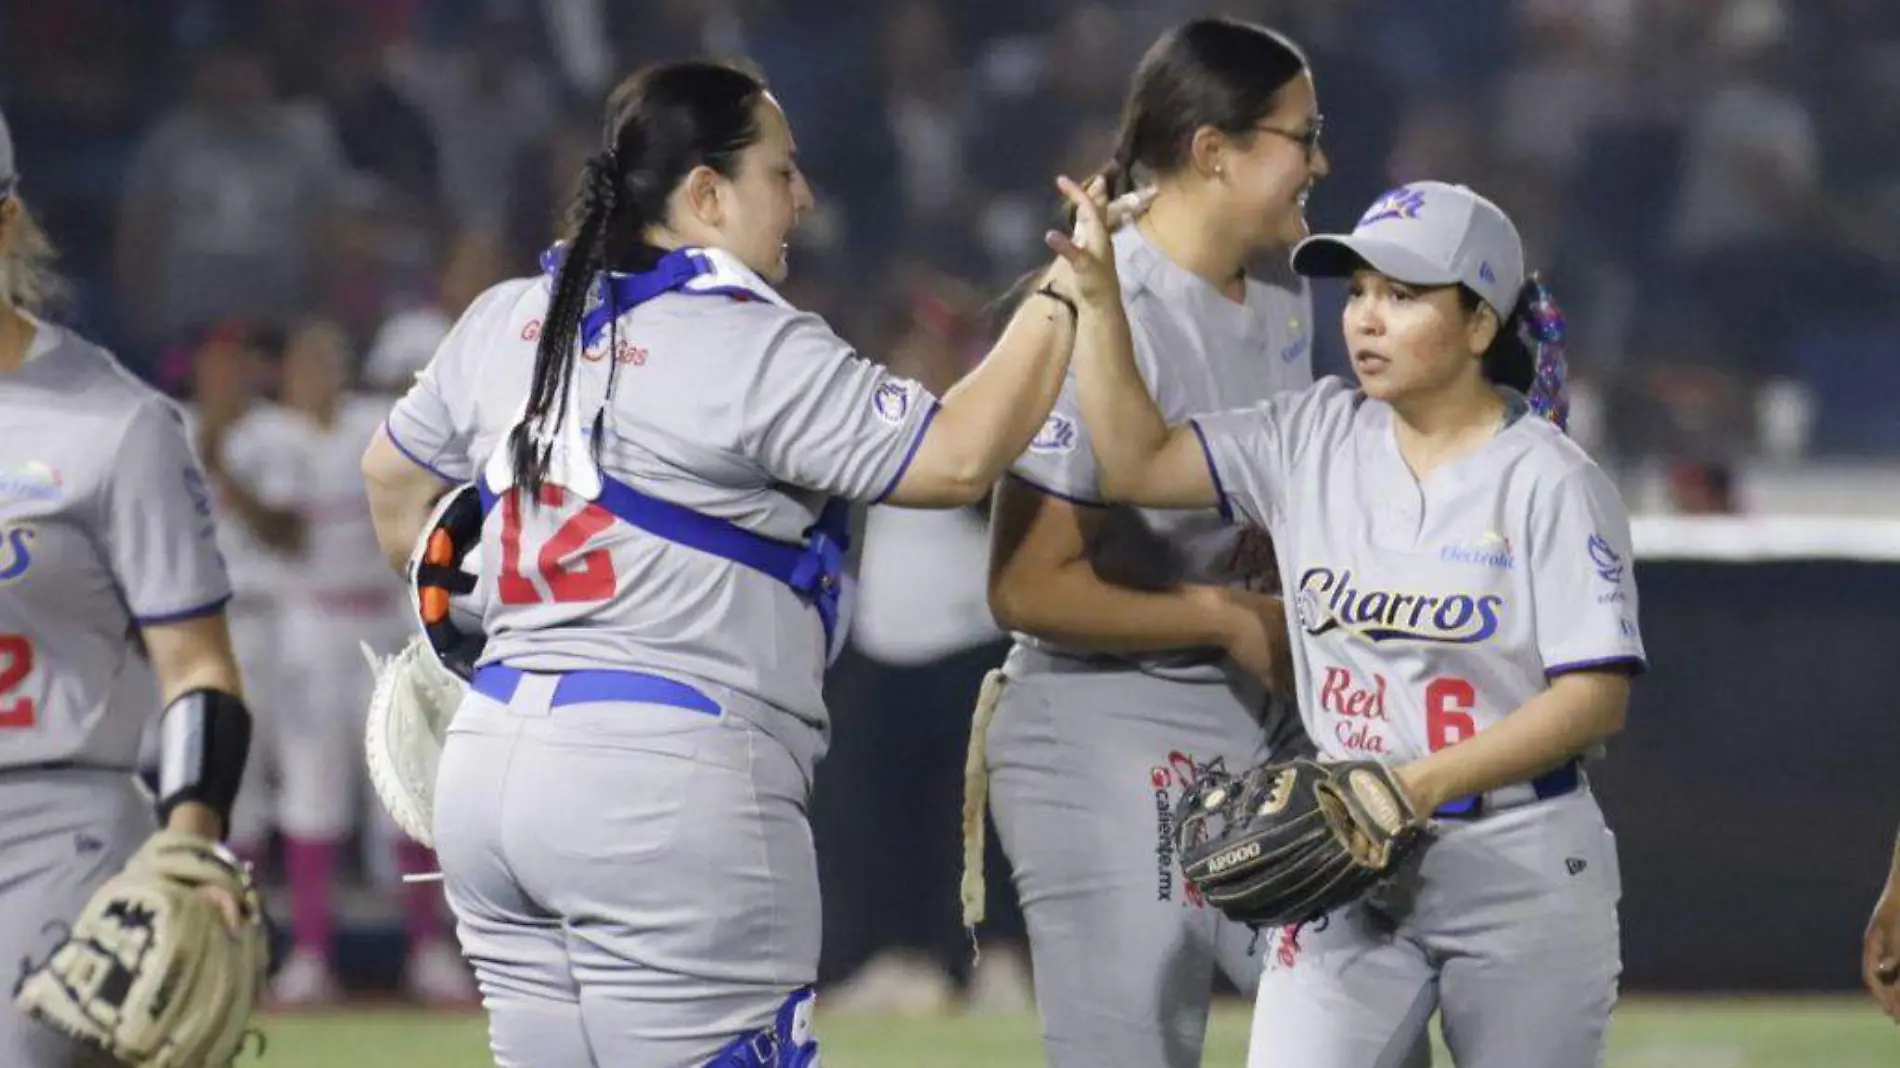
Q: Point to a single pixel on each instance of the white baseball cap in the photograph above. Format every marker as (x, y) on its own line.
(1427, 234)
(8, 176)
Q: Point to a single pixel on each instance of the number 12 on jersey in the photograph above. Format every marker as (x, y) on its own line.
(569, 574)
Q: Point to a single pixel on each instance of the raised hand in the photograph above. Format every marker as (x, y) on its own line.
(1087, 253)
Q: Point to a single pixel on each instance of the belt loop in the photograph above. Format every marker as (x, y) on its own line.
(534, 694)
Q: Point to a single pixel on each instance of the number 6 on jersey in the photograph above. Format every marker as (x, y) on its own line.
(1448, 705)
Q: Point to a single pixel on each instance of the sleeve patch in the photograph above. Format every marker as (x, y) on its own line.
(893, 400)
(1607, 561)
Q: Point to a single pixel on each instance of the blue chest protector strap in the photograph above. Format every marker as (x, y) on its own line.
(814, 571)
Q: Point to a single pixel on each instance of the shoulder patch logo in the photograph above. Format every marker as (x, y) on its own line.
(891, 402)
(196, 489)
(1607, 561)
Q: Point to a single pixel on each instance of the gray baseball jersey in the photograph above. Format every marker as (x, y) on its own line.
(104, 525)
(1427, 612)
(747, 410)
(1198, 351)
(1087, 748)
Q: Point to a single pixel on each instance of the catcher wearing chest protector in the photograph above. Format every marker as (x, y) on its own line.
(1287, 842)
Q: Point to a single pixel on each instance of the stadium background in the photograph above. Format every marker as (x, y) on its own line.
(1713, 186)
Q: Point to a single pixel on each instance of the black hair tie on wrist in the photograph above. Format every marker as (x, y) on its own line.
(1049, 290)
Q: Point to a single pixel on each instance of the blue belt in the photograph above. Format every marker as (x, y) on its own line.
(814, 570)
(1554, 783)
(499, 681)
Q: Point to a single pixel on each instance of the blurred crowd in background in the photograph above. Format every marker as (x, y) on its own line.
(1711, 186)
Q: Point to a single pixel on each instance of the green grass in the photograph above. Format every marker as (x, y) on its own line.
(1689, 1033)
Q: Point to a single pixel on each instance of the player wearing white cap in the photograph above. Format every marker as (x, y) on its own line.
(1466, 608)
(664, 448)
(109, 574)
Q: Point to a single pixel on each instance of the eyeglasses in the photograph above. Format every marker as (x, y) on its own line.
(1308, 140)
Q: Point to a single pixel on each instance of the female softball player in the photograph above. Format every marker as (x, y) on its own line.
(340, 596)
(663, 447)
(107, 561)
(1460, 574)
(1143, 637)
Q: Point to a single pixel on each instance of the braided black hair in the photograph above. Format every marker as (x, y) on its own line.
(662, 122)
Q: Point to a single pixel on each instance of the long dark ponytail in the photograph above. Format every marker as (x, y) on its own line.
(1219, 72)
(661, 123)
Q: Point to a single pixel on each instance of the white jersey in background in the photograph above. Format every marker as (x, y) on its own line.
(404, 346)
(267, 467)
(340, 594)
(341, 568)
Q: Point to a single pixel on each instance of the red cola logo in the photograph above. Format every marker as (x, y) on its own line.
(1359, 706)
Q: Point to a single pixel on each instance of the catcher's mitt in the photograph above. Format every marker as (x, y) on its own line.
(1287, 842)
(408, 723)
(150, 973)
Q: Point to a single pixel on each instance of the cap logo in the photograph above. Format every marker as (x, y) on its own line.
(1484, 272)
(1404, 202)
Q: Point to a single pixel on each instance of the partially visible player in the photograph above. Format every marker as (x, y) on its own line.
(408, 339)
(340, 594)
(1880, 946)
(1461, 577)
(109, 575)
(665, 450)
(259, 534)
(1143, 637)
